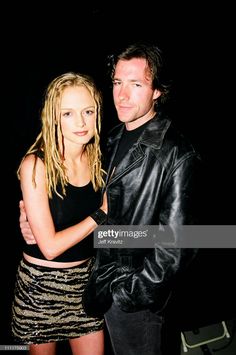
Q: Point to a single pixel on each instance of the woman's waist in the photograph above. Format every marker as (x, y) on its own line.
(53, 264)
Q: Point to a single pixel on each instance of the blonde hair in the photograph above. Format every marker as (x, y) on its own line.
(47, 143)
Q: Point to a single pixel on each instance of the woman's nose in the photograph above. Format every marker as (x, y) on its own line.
(80, 121)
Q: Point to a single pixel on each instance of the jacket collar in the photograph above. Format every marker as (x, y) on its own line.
(152, 137)
(154, 132)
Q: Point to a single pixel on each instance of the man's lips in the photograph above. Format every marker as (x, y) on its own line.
(123, 108)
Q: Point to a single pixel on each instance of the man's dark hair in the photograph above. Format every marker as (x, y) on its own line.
(154, 57)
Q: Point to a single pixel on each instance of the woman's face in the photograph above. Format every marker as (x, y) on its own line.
(78, 115)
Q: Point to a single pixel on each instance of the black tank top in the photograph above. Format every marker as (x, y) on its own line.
(78, 204)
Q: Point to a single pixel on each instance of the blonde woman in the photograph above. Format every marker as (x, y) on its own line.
(61, 178)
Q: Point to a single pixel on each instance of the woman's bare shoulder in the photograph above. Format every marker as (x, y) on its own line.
(30, 162)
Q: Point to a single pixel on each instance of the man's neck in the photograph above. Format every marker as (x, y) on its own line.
(139, 122)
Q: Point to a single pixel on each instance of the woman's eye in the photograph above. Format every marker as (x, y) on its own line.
(66, 114)
(88, 113)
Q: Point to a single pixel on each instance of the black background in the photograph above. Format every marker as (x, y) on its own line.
(38, 44)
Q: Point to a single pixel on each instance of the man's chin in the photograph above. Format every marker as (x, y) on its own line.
(124, 118)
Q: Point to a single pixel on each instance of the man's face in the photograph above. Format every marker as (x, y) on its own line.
(133, 94)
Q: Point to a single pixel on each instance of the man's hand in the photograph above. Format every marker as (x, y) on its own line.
(104, 205)
(24, 225)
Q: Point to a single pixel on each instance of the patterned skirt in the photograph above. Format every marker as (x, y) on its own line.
(47, 304)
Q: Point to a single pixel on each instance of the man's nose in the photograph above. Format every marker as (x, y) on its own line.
(123, 93)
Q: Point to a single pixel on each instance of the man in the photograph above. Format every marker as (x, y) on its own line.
(152, 180)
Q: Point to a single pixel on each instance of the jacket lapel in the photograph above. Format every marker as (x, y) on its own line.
(137, 153)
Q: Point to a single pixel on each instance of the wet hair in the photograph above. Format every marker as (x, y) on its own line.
(49, 142)
(155, 65)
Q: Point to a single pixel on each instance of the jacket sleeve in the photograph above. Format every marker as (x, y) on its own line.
(151, 284)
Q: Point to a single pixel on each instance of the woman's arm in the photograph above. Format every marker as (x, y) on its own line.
(50, 242)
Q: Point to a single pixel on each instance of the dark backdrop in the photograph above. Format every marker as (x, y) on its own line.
(39, 44)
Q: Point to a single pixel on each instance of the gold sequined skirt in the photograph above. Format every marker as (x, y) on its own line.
(47, 304)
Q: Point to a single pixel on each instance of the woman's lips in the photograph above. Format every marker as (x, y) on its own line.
(82, 133)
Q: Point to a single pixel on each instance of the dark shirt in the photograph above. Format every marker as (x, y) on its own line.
(78, 204)
(127, 140)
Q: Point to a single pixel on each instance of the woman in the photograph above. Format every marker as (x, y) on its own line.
(61, 178)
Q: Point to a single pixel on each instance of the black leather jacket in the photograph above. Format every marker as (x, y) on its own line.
(157, 183)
